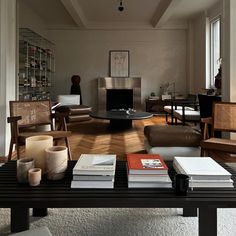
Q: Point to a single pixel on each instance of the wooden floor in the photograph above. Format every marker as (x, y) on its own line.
(95, 137)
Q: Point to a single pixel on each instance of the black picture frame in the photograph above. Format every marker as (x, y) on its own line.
(119, 63)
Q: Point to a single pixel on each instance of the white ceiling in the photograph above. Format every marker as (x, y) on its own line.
(104, 14)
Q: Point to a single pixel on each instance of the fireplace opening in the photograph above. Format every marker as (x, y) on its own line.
(119, 99)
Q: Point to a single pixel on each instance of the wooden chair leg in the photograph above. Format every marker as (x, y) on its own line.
(68, 146)
(204, 152)
(18, 150)
(166, 117)
(10, 151)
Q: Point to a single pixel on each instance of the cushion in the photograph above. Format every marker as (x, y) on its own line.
(172, 136)
(74, 109)
(189, 115)
(68, 99)
(168, 153)
(168, 108)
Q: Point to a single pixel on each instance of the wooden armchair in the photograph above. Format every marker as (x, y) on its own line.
(25, 119)
(223, 119)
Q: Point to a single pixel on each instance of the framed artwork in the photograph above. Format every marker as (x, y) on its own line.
(119, 63)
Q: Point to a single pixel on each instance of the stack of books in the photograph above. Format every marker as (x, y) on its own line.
(94, 171)
(203, 172)
(147, 171)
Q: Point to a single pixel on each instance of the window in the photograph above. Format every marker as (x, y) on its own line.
(215, 49)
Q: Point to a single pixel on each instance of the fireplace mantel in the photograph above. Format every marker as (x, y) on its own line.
(119, 83)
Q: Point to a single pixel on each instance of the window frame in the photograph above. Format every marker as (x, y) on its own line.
(212, 45)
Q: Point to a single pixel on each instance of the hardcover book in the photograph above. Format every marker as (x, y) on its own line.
(149, 178)
(199, 168)
(95, 164)
(149, 185)
(92, 184)
(146, 164)
(93, 177)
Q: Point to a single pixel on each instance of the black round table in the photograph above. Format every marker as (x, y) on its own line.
(120, 119)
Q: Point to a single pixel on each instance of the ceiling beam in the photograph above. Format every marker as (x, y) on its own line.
(163, 12)
(75, 11)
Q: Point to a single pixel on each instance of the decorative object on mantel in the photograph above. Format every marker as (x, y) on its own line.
(23, 166)
(35, 147)
(121, 7)
(119, 63)
(56, 162)
(34, 176)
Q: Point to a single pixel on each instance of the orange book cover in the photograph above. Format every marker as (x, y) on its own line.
(146, 163)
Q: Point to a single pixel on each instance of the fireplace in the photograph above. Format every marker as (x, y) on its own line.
(119, 93)
(119, 99)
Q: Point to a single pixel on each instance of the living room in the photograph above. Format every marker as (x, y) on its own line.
(168, 42)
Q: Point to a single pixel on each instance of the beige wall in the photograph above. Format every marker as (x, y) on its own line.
(200, 49)
(158, 56)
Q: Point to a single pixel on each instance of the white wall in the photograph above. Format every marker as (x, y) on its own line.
(29, 19)
(157, 56)
(7, 68)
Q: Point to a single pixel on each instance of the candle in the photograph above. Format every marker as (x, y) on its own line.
(23, 165)
(35, 147)
(56, 162)
(34, 176)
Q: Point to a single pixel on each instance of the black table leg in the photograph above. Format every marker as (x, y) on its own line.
(190, 212)
(19, 219)
(120, 124)
(40, 212)
(207, 222)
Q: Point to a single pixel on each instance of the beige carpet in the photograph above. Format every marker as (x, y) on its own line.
(123, 222)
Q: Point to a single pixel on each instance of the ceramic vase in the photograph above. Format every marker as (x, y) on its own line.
(56, 162)
(35, 147)
(34, 176)
(23, 166)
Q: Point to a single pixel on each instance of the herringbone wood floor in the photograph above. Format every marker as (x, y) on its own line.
(95, 137)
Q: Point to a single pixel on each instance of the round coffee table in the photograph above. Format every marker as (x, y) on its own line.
(120, 119)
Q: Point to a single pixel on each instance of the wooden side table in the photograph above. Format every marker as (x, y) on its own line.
(156, 106)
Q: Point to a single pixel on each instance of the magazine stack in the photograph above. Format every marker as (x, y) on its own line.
(94, 171)
(147, 171)
(203, 172)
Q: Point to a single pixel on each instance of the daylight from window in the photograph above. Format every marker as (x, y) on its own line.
(215, 49)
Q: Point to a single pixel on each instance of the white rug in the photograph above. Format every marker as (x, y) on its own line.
(123, 222)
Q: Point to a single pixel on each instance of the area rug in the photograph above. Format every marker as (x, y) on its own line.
(123, 222)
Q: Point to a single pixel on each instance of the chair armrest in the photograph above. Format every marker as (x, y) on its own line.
(13, 119)
(207, 120)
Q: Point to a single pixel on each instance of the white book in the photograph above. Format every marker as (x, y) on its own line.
(200, 168)
(93, 177)
(92, 184)
(149, 185)
(149, 178)
(212, 184)
(95, 164)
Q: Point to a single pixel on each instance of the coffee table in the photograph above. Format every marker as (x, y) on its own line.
(58, 194)
(120, 119)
